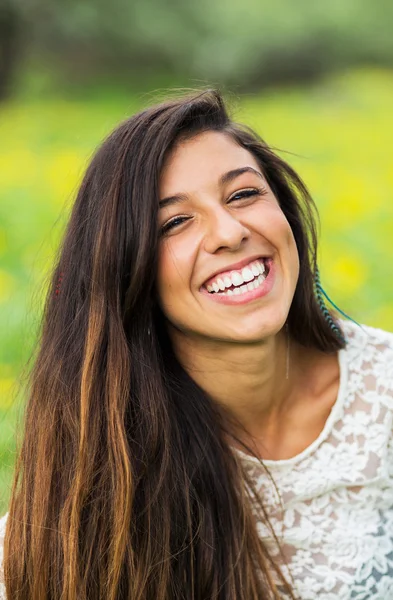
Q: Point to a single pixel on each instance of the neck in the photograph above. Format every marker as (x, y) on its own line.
(250, 382)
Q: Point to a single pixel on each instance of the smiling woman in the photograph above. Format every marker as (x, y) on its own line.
(198, 424)
(225, 221)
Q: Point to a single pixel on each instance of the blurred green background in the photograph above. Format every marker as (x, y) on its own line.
(314, 79)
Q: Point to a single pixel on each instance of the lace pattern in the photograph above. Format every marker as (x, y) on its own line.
(3, 522)
(335, 519)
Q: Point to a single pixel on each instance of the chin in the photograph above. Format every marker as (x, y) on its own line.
(248, 335)
(256, 330)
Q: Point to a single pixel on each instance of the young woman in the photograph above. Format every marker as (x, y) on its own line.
(199, 426)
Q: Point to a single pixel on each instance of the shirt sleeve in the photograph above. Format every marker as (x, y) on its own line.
(3, 522)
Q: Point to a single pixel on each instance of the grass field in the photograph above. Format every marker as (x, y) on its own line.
(337, 134)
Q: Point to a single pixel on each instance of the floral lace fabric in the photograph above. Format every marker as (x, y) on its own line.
(335, 519)
(334, 513)
(3, 522)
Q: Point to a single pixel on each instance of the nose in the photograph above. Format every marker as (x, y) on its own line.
(224, 231)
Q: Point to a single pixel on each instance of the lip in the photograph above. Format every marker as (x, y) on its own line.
(235, 267)
(261, 291)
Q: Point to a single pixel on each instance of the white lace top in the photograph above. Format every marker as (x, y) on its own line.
(335, 523)
(3, 522)
(335, 520)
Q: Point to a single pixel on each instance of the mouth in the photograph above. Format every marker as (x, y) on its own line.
(240, 281)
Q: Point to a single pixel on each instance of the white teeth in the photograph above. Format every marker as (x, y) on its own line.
(247, 274)
(221, 284)
(237, 279)
(255, 270)
(252, 276)
(252, 285)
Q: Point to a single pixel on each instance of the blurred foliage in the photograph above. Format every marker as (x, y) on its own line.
(248, 44)
(337, 134)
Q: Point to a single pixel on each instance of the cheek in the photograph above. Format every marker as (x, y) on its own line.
(173, 274)
(275, 228)
(291, 245)
(279, 233)
(291, 251)
(290, 242)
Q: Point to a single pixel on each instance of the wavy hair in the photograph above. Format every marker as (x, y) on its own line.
(125, 486)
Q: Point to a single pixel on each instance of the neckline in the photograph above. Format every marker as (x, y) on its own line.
(343, 378)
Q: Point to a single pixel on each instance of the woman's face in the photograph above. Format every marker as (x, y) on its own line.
(222, 227)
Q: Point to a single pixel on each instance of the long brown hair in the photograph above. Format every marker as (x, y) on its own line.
(126, 486)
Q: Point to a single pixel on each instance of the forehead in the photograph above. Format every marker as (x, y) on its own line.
(203, 159)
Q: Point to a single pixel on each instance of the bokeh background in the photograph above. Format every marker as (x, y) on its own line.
(315, 79)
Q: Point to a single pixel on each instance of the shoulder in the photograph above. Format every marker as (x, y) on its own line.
(362, 332)
(3, 524)
(369, 357)
(370, 342)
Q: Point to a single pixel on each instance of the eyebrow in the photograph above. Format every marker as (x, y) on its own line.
(224, 179)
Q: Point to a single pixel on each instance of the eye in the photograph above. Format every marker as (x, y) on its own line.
(172, 223)
(247, 194)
